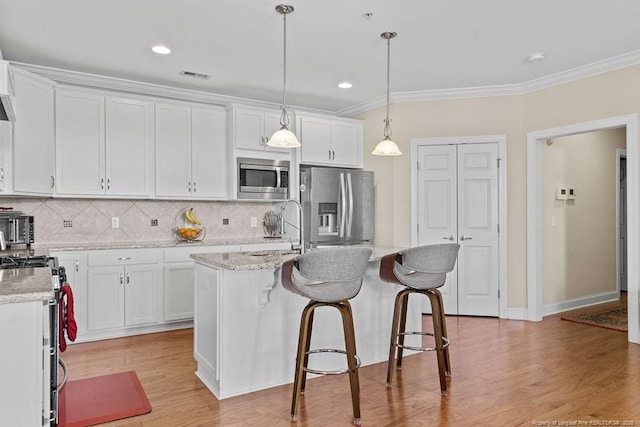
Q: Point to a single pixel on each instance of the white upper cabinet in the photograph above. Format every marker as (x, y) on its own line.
(190, 152)
(104, 145)
(33, 143)
(129, 147)
(251, 128)
(330, 141)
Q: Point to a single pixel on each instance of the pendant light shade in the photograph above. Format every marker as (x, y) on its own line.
(284, 138)
(387, 147)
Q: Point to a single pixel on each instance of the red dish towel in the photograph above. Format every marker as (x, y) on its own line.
(67, 317)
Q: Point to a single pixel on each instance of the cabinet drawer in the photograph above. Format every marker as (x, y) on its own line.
(182, 254)
(99, 258)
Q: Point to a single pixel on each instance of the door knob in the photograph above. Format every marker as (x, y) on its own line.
(450, 237)
(463, 237)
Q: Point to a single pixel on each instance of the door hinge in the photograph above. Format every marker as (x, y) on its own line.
(498, 293)
(418, 229)
(498, 162)
(498, 228)
(417, 165)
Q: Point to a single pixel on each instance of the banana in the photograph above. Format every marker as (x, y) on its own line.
(191, 217)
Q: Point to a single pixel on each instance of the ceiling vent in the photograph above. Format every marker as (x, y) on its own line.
(197, 75)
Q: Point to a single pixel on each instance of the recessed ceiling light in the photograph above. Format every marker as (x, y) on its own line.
(345, 85)
(536, 57)
(161, 50)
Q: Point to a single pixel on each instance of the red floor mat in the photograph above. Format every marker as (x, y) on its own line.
(101, 399)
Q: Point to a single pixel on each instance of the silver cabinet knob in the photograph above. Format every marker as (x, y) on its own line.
(463, 237)
(449, 237)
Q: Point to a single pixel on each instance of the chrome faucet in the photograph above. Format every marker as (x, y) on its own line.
(294, 247)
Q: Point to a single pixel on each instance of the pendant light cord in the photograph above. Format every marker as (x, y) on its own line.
(387, 125)
(284, 118)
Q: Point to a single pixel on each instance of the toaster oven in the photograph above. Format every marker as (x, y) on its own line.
(16, 229)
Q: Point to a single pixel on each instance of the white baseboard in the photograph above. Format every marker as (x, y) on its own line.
(586, 301)
(517, 314)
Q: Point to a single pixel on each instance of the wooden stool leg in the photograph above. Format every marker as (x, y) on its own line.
(402, 327)
(394, 336)
(307, 314)
(350, 346)
(447, 360)
(306, 353)
(436, 310)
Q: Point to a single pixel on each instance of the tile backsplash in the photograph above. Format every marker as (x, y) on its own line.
(90, 220)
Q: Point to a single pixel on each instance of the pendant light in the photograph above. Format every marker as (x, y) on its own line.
(387, 147)
(284, 138)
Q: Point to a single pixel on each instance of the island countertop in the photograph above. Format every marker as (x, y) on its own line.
(269, 259)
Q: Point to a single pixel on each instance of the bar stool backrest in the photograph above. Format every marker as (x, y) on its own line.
(439, 258)
(334, 265)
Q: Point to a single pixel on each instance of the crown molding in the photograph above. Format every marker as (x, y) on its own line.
(95, 81)
(600, 67)
(76, 78)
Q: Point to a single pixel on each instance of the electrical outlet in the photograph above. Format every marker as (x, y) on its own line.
(254, 221)
(154, 222)
(67, 223)
(115, 222)
(225, 221)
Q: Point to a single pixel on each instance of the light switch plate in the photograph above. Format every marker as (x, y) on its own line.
(115, 222)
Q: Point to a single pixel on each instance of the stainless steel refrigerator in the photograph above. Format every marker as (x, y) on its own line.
(338, 206)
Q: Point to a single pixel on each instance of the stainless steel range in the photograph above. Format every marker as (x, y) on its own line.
(58, 279)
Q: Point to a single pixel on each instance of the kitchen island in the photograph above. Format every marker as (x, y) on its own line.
(246, 324)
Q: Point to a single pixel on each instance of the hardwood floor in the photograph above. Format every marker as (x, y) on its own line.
(505, 373)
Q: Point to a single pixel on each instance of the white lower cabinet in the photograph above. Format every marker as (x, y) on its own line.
(179, 295)
(123, 289)
(75, 265)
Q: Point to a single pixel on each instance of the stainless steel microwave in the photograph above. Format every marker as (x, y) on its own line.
(263, 179)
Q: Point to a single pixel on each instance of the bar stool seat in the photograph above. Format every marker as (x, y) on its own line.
(421, 270)
(328, 277)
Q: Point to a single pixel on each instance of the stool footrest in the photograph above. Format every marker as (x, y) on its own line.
(330, 350)
(445, 341)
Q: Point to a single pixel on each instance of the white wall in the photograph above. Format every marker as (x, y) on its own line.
(601, 96)
(581, 232)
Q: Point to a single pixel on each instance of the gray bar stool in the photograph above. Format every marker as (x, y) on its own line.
(421, 270)
(328, 277)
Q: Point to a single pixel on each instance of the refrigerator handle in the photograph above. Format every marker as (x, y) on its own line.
(343, 202)
(350, 212)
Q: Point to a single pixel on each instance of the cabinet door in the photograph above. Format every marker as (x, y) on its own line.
(6, 136)
(249, 129)
(178, 291)
(75, 265)
(142, 293)
(173, 150)
(33, 135)
(315, 138)
(208, 140)
(346, 143)
(129, 145)
(105, 298)
(79, 143)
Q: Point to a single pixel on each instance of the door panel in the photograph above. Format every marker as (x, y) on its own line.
(437, 203)
(458, 202)
(478, 224)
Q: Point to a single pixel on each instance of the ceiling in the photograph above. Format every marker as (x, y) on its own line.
(440, 44)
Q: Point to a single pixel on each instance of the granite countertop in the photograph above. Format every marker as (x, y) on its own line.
(160, 244)
(259, 260)
(25, 284)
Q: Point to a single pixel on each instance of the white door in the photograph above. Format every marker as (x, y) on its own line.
(315, 136)
(208, 153)
(173, 150)
(129, 147)
(458, 202)
(141, 294)
(105, 298)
